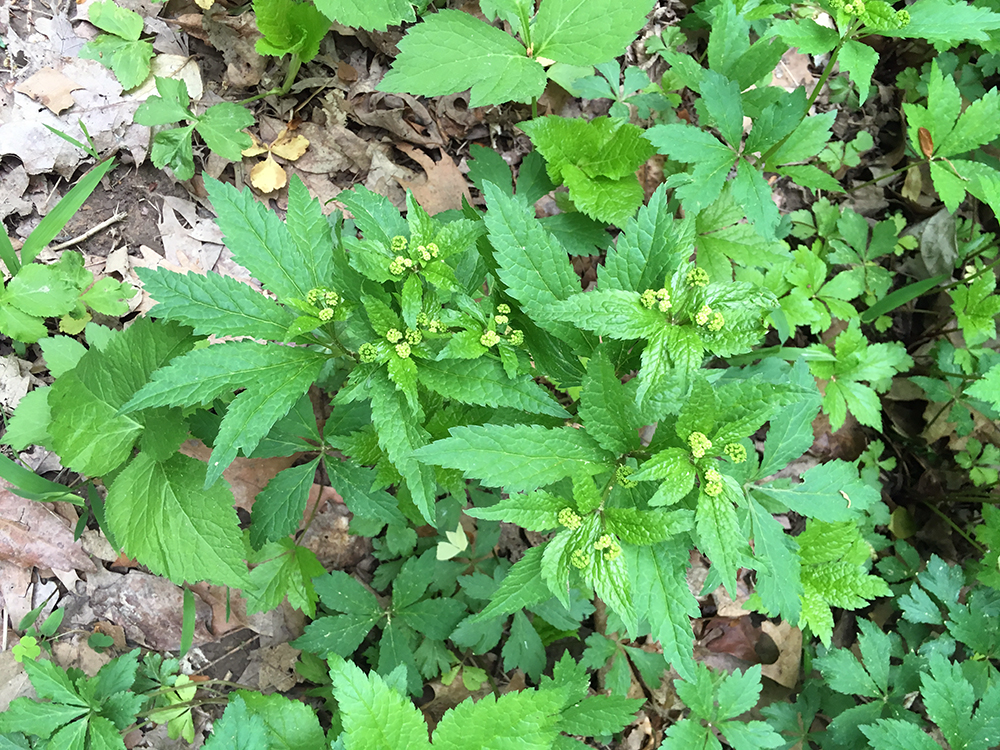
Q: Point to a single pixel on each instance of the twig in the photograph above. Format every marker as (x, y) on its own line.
(90, 232)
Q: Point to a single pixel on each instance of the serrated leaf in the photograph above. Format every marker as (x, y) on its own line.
(517, 457)
(169, 107)
(521, 587)
(453, 51)
(237, 729)
(286, 569)
(829, 492)
(260, 241)
(172, 148)
(277, 511)
(355, 485)
(779, 576)
(599, 715)
(291, 724)
(373, 14)
(859, 60)
(608, 312)
(215, 304)
(483, 382)
(114, 19)
(896, 734)
(524, 649)
(721, 100)
(608, 412)
(720, 536)
(536, 511)
(128, 60)
(526, 720)
(587, 33)
(712, 159)
(151, 504)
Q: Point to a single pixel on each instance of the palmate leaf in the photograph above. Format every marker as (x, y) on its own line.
(283, 569)
(151, 505)
(483, 381)
(215, 304)
(518, 457)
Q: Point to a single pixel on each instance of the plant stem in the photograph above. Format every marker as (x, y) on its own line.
(885, 176)
(290, 74)
(956, 527)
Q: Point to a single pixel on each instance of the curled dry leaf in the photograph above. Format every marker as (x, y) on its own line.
(926, 141)
(268, 176)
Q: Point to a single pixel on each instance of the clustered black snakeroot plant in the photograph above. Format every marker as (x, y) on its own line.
(474, 383)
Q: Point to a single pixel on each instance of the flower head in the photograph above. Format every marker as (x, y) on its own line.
(432, 248)
(489, 338)
(516, 337)
(697, 277)
(613, 552)
(367, 352)
(737, 452)
(703, 315)
(503, 308)
(713, 483)
(398, 243)
(569, 518)
(326, 314)
(699, 443)
(501, 320)
(605, 542)
(413, 337)
(394, 335)
(648, 298)
(425, 254)
(716, 323)
(580, 559)
(622, 474)
(403, 350)
(398, 266)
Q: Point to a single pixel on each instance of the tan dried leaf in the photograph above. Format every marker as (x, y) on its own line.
(289, 146)
(32, 535)
(268, 176)
(256, 149)
(205, 4)
(51, 88)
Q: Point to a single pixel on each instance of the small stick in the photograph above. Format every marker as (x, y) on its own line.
(90, 232)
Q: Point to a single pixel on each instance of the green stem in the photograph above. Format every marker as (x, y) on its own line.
(956, 527)
(974, 276)
(534, 107)
(885, 176)
(290, 74)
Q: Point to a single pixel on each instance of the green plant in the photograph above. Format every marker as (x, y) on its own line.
(64, 289)
(451, 51)
(289, 27)
(221, 126)
(120, 49)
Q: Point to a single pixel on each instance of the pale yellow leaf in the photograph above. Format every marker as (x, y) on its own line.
(289, 146)
(256, 149)
(268, 176)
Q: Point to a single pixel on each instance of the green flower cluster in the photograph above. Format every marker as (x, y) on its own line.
(431, 324)
(660, 298)
(737, 453)
(697, 277)
(699, 443)
(713, 320)
(569, 518)
(622, 474)
(612, 549)
(713, 483)
(580, 559)
(403, 350)
(367, 353)
(402, 263)
(394, 335)
(516, 337)
(325, 299)
(489, 338)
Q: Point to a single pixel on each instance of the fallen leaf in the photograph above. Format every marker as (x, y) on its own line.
(51, 88)
(246, 476)
(444, 185)
(181, 67)
(289, 146)
(223, 601)
(268, 176)
(256, 148)
(32, 535)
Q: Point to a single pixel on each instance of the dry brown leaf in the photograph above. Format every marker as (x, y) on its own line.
(247, 476)
(32, 535)
(223, 601)
(289, 146)
(268, 176)
(444, 186)
(51, 88)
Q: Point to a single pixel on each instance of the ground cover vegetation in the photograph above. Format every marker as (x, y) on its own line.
(473, 388)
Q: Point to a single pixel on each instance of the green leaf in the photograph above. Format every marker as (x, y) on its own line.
(587, 33)
(987, 388)
(525, 720)
(355, 484)
(896, 734)
(172, 148)
(399, 435)
(607, 410)
(238, 729)
(524, 649)
(291, 724)
(807, 140)
(289, 26)
(152, 504)
(285, 569)
(33, 717)
(42, 291)
(605, 199)
(51, 681)
(779, 575)
(599, 715)
(664, 601)
(807, 36)
(108, 296)
(609, 312)
(453, 51)
(645, 527)
(947, 23)
(311, 231)
(19, 325)
(720, 536)
(222, 128)
(721, 99)
(112, 18)
(977, 307)
(169, 107)
(829, 492)
(378, 716)
(535, 511)
(523, 586)
(86, 430)
(129, 60)
(261, 242)
(712, 159)
(483, 382)
(753, 192)
(673, 465)
(859, 60)
(215, 304)
(517, 457)
(277, 511)
(372, 14)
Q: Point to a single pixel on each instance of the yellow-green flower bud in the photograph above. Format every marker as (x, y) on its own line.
(331, 298)
(398, 266)
(394, 335)
(423, 319)
(613, 552)
(367, 352)
(503, 308)
(716, 323)
(435, 326)
(408, 262)
(414, 337)
(713, 483)
(699, 443)
(663, 300)
(648, 298)
(489, 338)
(425, 254)
(516, 337)
(703, 315)
(579, 559)
(736, 451)
(605, 542)
(501, 320)
(326, 314)
(697, 277)
(622, 474)
(569, 518)
(433, 249)
(398, 244)
(403, 350)
(713, 475)
(312, 296)
(903, 18)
